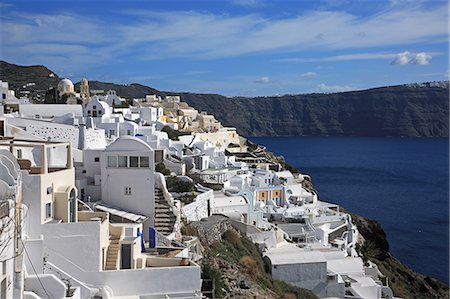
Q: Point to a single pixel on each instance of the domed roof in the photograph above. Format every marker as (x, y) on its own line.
(65, 82)
(128, 143)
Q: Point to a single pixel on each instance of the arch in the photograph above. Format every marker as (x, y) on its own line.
(72, 205)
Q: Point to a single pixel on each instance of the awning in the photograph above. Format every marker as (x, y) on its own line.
(121, 213)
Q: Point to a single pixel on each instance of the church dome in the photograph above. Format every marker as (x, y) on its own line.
(65, 86)
(64, 83)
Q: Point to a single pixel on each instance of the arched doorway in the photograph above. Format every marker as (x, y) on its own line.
(72, 205)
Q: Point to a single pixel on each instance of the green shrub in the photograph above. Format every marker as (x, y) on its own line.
(161, 168)
(173, 134)
(220, 286)
(174, 184)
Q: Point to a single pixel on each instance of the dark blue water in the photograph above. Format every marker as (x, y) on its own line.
(401, 182)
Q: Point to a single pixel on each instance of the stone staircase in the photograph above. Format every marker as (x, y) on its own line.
(112, 254)
(164, 217)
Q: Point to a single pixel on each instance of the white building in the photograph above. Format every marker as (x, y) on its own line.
(127, 177)
(70, 252)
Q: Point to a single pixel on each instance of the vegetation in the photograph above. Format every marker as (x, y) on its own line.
(175, 184)
(161, 168)
(215, 274)
(173, 134)
(368, 250)
(239, 250)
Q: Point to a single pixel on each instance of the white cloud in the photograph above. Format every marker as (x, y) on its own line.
(323, 88)
(421, 58)
(406, 57)
(263, 80)
(402, 58)
(308, 74)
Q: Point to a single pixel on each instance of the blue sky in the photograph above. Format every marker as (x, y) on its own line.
(236, 47)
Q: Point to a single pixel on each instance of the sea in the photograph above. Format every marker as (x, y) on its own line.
(403, 183)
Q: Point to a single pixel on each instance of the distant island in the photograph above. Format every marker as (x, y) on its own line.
(410, 110)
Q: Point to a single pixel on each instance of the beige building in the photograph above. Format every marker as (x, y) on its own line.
(84, 90)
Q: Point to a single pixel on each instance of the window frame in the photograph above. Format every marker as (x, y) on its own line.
(48, 210)
(131, 158)
(120, 161)
(109, 160)
(146, 164)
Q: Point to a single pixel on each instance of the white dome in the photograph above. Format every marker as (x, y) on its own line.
(65, 83)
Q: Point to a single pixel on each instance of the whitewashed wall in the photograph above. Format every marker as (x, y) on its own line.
(199, 208)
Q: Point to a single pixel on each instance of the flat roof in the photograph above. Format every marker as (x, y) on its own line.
(121, 213)
(291, 254)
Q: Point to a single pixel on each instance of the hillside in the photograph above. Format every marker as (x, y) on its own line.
(416, 110)
(17, 76)
(133, 90)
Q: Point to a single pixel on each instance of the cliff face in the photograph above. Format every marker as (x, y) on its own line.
(406, 110)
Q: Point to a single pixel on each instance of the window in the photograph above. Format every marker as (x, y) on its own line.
(134, 161)
(94, 107)
(127, 190)
(19, 153)
(123, 161)
(48, 210)
(112, 132)
(144, 162)
(128, 132)
(89, 112)
(4, 96)
(97, 159)
(49, 190)
(112, 161)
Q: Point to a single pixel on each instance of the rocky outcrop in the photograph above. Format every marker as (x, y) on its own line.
(404, 282)
(234, 266)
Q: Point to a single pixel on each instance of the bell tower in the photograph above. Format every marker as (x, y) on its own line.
(84, 91)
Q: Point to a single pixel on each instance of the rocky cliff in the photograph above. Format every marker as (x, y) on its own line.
(419, 110)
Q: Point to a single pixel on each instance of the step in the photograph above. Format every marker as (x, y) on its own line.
(163, 209)
(164, 220)
(165, 215)
(161, 205)
(164, 229)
